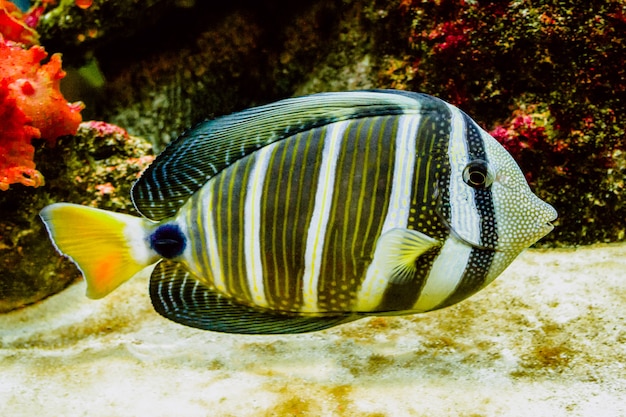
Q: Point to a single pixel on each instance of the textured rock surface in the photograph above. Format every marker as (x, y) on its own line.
(545, 339)
(231, 60)
(76, 30)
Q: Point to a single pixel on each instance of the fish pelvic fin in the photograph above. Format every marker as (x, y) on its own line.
(108, 248)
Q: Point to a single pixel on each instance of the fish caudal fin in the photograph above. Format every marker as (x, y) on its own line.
(108, 248)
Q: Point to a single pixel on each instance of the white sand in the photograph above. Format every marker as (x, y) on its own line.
(548, 338)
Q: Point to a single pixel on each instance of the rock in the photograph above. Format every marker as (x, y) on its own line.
(73, 30)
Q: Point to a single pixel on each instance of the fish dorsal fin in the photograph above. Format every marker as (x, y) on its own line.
(206, 149)
(180, 297)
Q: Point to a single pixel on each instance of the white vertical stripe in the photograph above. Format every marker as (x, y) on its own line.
(449, 266)
(194, 260)
(252, 226)
(464, 216)
(445, 274)
(403, 173)
(377, 276)
(316, 233)
(210, 237)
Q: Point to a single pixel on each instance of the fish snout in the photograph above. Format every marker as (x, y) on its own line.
(546, 215)
(550, 216)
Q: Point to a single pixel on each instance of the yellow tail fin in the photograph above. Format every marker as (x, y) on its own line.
(108, 248)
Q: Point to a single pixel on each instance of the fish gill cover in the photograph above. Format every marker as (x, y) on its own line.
(31, 104)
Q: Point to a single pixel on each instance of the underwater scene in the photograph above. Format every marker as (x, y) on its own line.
(316, 208)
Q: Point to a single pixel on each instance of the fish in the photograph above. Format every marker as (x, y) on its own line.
(311, 212)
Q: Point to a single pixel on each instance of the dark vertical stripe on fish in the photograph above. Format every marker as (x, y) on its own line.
(360, 203)
(229, 204)
(480, 259)
(287, 206)
(197, 215)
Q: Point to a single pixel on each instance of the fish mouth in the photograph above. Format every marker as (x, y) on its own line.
(548, 226)
(552, 216)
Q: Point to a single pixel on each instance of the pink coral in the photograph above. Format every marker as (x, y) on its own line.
(31, 106)
(521, 133)
(104, 128)
(450, 35)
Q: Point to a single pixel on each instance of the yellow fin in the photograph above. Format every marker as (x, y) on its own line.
(108, 248)
(397, 251)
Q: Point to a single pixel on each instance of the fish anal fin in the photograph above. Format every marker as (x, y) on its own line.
(397, 251)
(180, 297)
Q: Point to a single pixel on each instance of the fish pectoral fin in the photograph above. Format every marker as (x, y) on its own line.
(397, 251)
(180, 297)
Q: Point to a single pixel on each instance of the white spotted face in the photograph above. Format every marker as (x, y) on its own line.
(521, 217)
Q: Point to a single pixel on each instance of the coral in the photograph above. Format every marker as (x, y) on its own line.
(31, 106)
(83, 4)
(16, 152)
(528, 135)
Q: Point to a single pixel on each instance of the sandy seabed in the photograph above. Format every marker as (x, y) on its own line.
(548, 338)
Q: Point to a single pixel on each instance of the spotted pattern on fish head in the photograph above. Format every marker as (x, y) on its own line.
(486, 201)
(521, 216)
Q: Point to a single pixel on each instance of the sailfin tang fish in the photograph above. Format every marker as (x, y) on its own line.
(313, 211)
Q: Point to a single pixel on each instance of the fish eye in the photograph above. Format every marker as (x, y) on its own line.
(477, 175)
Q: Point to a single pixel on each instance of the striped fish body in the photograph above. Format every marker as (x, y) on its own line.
(294, 226)
(310, 212)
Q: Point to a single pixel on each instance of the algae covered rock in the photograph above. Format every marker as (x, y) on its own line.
(96, 167)
(74, 27)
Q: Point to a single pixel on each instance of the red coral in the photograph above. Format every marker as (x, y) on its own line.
(450, 35)
(16, 152)
(31, 106)
(521, 133)
(83, 4)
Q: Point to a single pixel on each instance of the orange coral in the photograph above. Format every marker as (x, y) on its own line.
(83, 4)
(31, 106)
